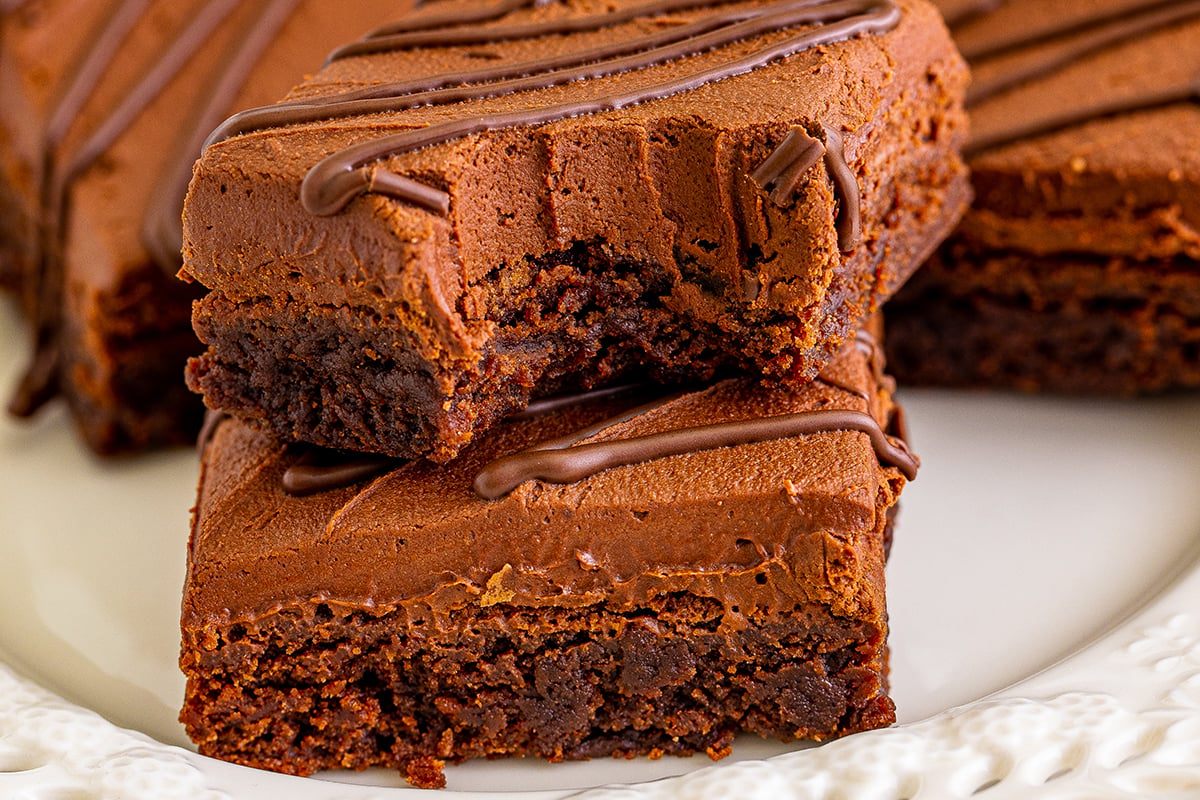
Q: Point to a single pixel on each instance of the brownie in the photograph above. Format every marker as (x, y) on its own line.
(1077, 269)
(707, 563)
(419, 242)
(104, 105)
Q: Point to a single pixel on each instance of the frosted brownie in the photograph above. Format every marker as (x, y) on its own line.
(726, 577)
(1078, 267)
(104, 105)
(493, 202)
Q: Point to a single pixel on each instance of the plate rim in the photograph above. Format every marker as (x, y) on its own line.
(1120, 715)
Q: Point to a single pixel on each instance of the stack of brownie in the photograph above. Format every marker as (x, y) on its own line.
(104, 105)
(551, 416)
(1077, 269)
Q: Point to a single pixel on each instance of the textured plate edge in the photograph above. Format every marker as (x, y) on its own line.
(1120, 718)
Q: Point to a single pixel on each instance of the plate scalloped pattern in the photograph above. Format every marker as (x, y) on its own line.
(1120, 719)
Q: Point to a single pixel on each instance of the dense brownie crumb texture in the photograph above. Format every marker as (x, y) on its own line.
(448, 220)
(596, 576)
(1078, 267)
(547, 421)
(104, 105)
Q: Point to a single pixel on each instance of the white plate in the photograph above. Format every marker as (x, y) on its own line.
(1037, 526)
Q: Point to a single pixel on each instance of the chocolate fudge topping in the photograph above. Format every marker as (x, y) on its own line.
(643, 222)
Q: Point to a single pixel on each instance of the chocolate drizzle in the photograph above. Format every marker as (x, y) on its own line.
(781, 172)
(339, 178)
(548, 405)
(1062, 119)
(320, 470)
(162, 230)
(865, 343)
(1081, 38)
(562, 461)
(59, 171)
(212, 420)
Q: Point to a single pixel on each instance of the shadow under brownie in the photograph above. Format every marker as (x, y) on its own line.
(657, 607)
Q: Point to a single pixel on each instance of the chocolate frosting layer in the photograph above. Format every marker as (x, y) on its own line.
(1083, 121)
(1009, 62)
(348, 173)
(417, 538)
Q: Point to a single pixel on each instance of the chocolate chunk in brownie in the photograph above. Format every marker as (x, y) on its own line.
(104, 105)
(493, 202)
(1077, 269)
(585, 580)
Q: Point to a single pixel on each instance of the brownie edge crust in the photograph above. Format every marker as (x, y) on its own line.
(654, 608)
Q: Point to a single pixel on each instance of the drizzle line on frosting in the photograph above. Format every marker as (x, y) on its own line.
(323, 470)
(563, 460)
(40, 381)
(318, 470)
(560, 462)
(162, 230)
(339, 178)
(1089, 42)
(864, 343)
(1070, 117)
(780, 174)
(453, 87)
(1097, 33)
(1063, 27)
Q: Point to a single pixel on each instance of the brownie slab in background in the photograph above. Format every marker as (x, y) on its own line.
(421, 242)
(104, 105)
(655, 607)
(1077, 269)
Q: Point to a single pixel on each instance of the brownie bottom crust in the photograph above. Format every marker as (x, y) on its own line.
(315, 686)
(1069, 324)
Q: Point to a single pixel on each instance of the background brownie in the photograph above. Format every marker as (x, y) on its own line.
(656, 607)
(103, 108)
(712, 228)
(1078, 267)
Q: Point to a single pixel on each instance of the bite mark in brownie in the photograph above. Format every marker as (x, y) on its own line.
(648, 239)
